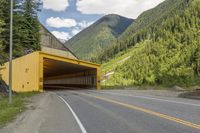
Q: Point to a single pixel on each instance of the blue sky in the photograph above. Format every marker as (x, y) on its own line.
(65, 18)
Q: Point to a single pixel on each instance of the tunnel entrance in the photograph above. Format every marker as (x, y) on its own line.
(65, 73)
(38, 71)
(58, 74)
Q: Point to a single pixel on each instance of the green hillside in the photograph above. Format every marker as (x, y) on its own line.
(137, 31)
(98, 36)
(151, 17)
(164, 51)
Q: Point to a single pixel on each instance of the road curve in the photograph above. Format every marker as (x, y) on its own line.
(113, 112)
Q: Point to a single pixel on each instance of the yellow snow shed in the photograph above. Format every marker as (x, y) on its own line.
(40, 70)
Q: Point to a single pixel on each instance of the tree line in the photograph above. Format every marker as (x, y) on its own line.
(26, 27)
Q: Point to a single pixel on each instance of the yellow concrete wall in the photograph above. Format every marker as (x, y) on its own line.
(25, 73)
(98, 79)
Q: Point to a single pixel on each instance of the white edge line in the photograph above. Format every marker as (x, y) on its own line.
(151, 98)
(75, 116)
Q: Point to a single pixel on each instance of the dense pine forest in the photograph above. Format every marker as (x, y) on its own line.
(165, 51)
(26, 36)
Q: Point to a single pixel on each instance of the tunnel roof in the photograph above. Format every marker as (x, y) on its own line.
(69, 60)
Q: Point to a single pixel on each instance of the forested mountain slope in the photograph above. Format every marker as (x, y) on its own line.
(141, 29)
(98, 36)
(152, 16)
(167, 51)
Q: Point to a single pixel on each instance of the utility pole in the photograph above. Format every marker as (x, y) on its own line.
(11, 50)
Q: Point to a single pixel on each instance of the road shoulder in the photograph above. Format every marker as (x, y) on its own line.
(45, 114)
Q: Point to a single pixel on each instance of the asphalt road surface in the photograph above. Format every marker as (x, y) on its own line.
(116, 112)
(90, 111)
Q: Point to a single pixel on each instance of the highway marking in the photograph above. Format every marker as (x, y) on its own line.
(174, 119)
(83, 130)
(149, 98)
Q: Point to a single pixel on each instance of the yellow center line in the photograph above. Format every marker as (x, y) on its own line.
(174, 119)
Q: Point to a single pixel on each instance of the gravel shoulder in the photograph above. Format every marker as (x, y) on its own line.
(46, 113)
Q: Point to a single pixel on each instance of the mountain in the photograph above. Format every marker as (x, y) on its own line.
(161, 47)
(152, 16)
(136, 31)
(98, 36)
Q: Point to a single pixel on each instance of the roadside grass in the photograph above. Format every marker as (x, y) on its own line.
(8, 112)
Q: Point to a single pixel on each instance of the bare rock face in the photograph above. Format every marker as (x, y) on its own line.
(50, 43)
(3, 88)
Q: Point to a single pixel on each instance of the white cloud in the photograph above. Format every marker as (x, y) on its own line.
(63, 40)
(80, 26)
(83, 24)
(60, 22)
(68, 23)
(55, 5)
(76, 30)
(61, 35)
(127, 8)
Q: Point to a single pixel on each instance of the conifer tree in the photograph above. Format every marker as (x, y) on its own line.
(26, 26)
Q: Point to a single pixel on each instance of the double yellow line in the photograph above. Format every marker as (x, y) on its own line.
(174, 119)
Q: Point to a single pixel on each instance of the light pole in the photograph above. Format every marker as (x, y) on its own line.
(11, 48)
